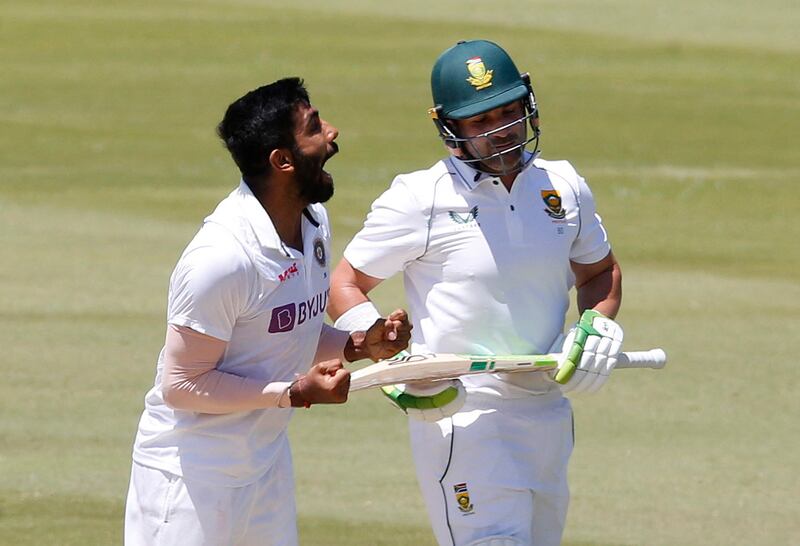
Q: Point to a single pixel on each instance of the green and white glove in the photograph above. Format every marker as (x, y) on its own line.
(588, 353)
(429, 401)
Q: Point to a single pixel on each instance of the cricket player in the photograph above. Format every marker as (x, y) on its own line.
(490, 241)
(211, 459)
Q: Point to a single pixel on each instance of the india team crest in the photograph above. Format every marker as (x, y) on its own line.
(462, 498)
(480, 78)
(554, 209)
(319, 251)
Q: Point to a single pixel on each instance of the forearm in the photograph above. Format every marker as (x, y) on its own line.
(219, 393)
(602, 291)
(349, 287)
(191, 381)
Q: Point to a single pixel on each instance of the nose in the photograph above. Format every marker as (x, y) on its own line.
(331, 132)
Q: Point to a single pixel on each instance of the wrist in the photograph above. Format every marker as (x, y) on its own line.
(297, 397)
(354, 348)
(358, 317)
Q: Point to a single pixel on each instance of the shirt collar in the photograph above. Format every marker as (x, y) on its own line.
(472, 178)
(244, 215)
(257, 217)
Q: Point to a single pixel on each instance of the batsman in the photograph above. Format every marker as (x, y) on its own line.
(490, 241)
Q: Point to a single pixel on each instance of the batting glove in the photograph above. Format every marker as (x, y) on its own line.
(429, 401)
(588, 353)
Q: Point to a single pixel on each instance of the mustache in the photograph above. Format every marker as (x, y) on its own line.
(505, 142)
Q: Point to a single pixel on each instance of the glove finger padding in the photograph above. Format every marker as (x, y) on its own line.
(589, 353)
(430, 401)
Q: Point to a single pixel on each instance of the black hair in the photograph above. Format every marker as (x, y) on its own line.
(259, 122)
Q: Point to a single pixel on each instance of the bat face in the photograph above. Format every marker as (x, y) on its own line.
(408, 368)
(435, 366)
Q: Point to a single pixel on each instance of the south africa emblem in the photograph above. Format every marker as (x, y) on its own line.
(480, 78)
(554, 209)
(462, 498)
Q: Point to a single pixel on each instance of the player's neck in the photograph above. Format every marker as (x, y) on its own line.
(508, 180)
(286, 213)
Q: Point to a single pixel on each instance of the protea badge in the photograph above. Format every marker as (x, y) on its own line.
(480, 78)
(554, 209)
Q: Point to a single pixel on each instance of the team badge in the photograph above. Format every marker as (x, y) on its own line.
(480, 78)
(319, 251)
(554, 209)
(462, 498)
(471, 216)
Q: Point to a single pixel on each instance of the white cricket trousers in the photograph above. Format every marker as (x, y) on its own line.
(497, 468)
(166, 510)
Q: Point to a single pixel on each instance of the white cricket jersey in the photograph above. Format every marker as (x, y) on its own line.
(238, 282)
(486, 271)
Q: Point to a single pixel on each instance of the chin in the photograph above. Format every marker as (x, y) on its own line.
(322, 193)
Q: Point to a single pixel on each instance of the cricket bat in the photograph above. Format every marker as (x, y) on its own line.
(407, 368)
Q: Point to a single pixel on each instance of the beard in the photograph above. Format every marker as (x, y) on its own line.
(481, 151)
(314, 184)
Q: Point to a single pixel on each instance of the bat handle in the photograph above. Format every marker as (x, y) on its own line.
(654, 358)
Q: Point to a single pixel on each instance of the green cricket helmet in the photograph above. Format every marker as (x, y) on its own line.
(471, 78)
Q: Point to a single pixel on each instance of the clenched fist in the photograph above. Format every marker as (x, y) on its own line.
(326, 382)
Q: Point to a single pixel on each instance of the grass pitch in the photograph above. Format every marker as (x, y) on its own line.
(682, 117)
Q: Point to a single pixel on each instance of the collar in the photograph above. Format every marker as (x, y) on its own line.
(252, 212)
(242, 214)
(472, 178)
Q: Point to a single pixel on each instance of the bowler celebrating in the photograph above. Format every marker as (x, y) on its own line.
(211, 459)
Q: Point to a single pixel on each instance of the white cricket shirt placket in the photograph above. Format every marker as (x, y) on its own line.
(509, 207)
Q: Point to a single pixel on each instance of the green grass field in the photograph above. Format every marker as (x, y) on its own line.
(682, 117)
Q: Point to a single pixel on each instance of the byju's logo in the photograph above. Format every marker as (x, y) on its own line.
(283, 318)
(286, 317)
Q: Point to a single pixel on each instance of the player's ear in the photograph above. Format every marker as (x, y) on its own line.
(281, 159)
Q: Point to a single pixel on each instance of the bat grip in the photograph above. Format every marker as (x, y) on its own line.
(654, 359)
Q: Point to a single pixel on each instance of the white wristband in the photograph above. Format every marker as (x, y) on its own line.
(358, 318)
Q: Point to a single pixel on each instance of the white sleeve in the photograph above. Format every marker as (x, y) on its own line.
(208, 291)
(331, 344)
(592, 244)
(191, 381)
(394, 233)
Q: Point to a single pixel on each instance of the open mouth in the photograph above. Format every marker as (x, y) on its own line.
(334, 150)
